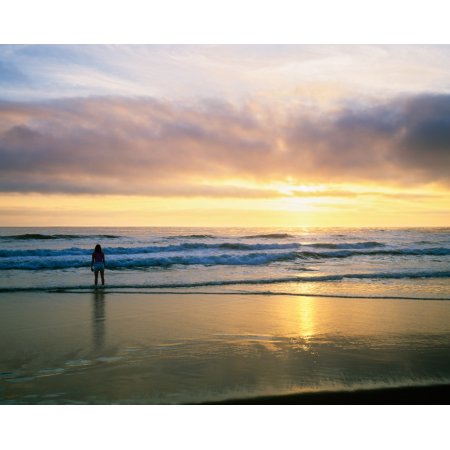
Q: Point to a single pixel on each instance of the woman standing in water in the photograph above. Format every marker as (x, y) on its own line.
(98, 263)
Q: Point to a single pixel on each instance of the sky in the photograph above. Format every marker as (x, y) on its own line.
(225, 135)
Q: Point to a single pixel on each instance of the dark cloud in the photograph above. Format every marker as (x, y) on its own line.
(425, 140)
(148, 146)
(404, 141)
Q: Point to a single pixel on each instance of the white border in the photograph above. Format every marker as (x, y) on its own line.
(220, 22)
(224, 427)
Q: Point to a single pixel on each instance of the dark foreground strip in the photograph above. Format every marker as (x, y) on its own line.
(415, 395)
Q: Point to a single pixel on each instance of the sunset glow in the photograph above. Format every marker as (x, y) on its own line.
(224, 135)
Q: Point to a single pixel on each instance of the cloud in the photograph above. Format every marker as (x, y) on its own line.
(425, 141)
(276, 73)
(404, 141)
(156, 147)
(10, 74)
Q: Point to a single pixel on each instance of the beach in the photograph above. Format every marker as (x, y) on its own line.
(104, 347)
(212, 315)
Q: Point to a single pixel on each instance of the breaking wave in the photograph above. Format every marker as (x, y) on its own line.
(192, 236)
(149, 249)
(261, 281)
(242, 255)
(249, 259)
(193, 246)
(435, 251)
(38, 236)
(270, 236)
(360, 245)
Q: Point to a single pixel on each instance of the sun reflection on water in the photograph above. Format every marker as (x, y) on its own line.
(306, 316)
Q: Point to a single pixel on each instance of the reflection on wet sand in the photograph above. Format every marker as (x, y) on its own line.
(98, 318)
(182, 349)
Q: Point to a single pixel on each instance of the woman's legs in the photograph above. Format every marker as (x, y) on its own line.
(102, 274)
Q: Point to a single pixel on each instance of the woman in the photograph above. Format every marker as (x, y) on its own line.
(98, 264)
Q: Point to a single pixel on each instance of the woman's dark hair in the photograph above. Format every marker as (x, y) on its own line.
(98, 248)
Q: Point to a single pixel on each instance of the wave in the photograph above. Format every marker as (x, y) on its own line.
(47, 252)
(343, 250)
(148, 249)
(434, 251)
(177, 248)
(37, 236)
(130, 258)
(192, 236)
(361, 245)
(255, 236)
(322, 278)
(44, 252)
(73, 262)
(261, 281)
(269, 236)
(144, 290)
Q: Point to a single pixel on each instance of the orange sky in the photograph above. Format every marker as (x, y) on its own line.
(225, 135)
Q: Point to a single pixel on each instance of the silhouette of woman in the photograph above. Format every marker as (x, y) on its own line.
(98, 264)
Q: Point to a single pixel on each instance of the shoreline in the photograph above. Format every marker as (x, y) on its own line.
(141, 291)
(405, 395)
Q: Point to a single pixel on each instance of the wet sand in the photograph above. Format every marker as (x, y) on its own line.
(102, 347)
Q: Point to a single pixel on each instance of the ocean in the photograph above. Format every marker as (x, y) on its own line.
(406, 263)
(193, 315)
